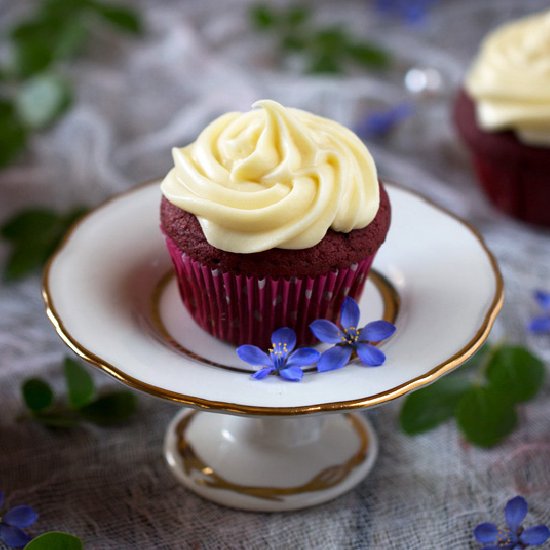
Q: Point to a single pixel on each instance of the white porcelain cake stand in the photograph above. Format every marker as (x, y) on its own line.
(111, 296)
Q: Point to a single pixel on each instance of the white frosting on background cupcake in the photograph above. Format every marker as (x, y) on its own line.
(510, 80)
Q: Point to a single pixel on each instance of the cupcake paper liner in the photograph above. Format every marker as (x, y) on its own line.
(515, 187)
(244, 309)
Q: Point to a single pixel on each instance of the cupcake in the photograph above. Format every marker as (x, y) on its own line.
(271, 218)
(503, 115)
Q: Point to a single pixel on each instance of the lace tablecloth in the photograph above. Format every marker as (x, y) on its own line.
(136, 98)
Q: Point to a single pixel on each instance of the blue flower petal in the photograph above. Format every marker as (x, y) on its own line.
(20, 516)
(486, 533)
(13, 536)
(293, 374)
(416, 12)
(376, 331)
(334, 358)
(540, 325)
(261, 374)
(325, 331)
(370, 355)
(253, 355)
(380, 123)
(2, 496)
(286, 336)
(535, 535)
(373, 125)
(349, 314)
(515, 512)
(303, 357)
(542, 298)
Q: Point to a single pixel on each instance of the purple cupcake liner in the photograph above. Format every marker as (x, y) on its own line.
(244, 309)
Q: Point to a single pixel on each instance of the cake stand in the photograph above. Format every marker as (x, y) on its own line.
(111, 295)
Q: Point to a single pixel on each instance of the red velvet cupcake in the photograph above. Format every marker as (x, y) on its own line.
(271, 218)
(503, 115)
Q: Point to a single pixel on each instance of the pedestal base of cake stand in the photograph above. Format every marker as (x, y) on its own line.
(270, 464)
(291, 447)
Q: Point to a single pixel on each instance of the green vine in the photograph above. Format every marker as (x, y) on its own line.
(81, 403)
(327, 49)
(34, 92)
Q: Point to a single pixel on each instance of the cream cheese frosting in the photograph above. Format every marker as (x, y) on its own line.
(510, 80)
(274, 177)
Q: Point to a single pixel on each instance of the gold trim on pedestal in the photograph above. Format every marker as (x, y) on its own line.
(327, 478)
(449, 364)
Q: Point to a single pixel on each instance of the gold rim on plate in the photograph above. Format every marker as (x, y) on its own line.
(449, 364)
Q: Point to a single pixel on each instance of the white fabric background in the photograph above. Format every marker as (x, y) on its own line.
(135, 100)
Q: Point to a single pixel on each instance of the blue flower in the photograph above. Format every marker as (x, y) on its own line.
(411, 11)
(541, 323)
(350, 338)
(13, 521)
(514, 536)
(380, 123)
(281, 359)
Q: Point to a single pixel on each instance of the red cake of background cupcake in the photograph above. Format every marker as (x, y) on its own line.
(503, 115)
(272, 218)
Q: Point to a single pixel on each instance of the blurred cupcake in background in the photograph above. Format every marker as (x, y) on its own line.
(503, 115)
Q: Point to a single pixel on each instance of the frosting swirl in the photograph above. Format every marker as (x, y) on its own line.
(274, 177)
(510, 80)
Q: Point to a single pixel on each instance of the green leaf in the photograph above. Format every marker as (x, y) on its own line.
(13, 135)
(26, 224)
(330, 40)
(121, 17)
(112, 408)
(34, 235)
(293, 43)
(485, 416)
(430, 406)
(41, 41)
(24, 259)
(324, 64)
(471, 366)
(369, 55)
(34, 43)
(57, 418)
(37, 394)
(71, 39)
(55, 540)
(62, 9)
(297, 15)
(31, 233)
(80, 385)
(262, 17)
(42, 99)
(515, 371)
